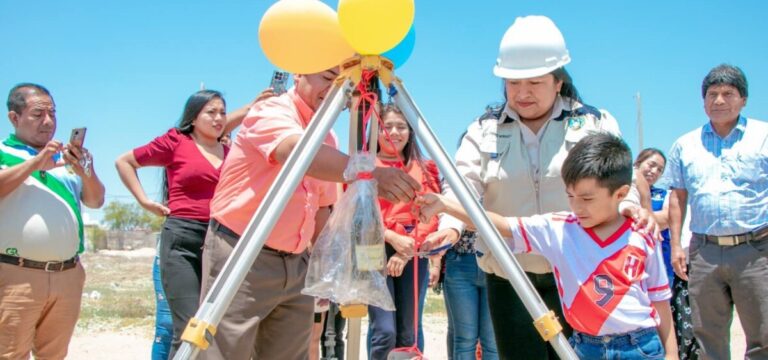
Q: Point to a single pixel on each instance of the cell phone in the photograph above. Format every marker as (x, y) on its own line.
(279, 81)
(77, 138)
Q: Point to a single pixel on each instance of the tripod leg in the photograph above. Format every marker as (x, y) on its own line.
(255, 235)
(491, 236)
(330, 333)
(353, 338)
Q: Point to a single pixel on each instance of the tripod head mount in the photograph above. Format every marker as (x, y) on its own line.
(353, 68)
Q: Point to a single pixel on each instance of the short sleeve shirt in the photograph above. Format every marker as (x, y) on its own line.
(191, 177)
(725, 177)
(41, 219)
(250, 169)
(606, 286)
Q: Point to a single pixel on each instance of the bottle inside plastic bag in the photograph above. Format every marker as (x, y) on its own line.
(347, 264)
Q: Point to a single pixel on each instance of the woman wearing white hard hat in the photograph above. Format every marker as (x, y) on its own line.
(512, 156)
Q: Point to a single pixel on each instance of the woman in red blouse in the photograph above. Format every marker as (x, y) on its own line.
(192, 155)
(388, 330)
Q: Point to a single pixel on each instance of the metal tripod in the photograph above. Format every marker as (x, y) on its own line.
(202, 327)
(330, 333)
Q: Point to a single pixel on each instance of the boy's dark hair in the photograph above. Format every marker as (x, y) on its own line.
(600, 156)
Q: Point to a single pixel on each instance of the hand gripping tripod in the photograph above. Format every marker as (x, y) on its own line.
(201, 328)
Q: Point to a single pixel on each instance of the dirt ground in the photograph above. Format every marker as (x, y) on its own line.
(117, 318)
(127, 345)
(130, 346)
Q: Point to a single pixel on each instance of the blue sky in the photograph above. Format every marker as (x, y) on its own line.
(124, 69)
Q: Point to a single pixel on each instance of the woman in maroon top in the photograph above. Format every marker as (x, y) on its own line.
(191, 154)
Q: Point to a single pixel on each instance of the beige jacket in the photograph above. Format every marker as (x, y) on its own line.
(494, 161)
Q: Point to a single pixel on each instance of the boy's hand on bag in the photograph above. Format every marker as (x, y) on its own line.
(429, 205)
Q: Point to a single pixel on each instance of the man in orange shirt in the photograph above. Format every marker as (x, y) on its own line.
(269, 317)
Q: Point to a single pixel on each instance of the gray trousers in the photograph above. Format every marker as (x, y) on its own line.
(724, 276)
(269, 318)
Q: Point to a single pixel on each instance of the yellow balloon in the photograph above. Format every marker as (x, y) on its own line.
(375, 26)
(303, 36)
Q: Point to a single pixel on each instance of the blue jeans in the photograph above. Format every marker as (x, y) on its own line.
(638, 344)
(388, 330)
(467, 299)
(449, 334)
(163, 321)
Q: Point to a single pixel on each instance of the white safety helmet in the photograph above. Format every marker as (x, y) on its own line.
(533, 46)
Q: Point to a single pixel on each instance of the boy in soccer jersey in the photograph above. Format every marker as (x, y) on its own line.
(611, 278)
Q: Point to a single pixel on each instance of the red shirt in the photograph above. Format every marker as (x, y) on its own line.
(397, 215)
(191, 177)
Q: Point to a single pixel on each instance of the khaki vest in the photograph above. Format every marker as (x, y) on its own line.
(510, 188)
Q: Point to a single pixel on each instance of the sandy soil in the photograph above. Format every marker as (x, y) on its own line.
(109, 345)
(133, 345)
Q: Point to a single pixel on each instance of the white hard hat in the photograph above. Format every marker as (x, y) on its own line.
(533, 46)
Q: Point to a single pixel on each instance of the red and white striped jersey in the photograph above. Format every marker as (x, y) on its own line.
(606, 286)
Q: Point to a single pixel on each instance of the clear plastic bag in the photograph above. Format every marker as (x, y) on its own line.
(348, 261)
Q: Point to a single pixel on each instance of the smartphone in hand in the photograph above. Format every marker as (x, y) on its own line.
(77, 138)
(279, 81)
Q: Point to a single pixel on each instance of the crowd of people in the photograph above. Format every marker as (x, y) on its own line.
(601, 242)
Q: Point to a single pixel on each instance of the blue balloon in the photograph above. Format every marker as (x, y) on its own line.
(400, 53)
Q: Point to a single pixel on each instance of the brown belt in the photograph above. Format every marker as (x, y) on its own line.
(732, 240)
(222, 230)
(49, 266)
